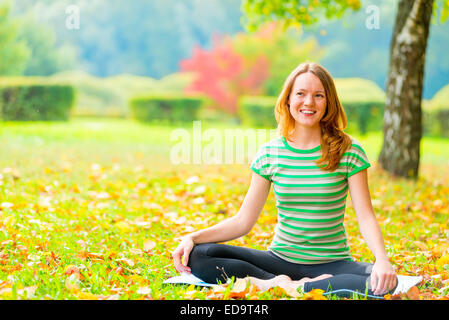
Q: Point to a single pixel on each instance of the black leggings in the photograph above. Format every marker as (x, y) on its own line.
(213, 262)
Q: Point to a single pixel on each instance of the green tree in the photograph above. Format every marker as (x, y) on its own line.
(46, 57)
(400, 152)
(14, 53)
(282, 49)
(140, 37)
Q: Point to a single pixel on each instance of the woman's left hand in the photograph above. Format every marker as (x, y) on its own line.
(383, 277)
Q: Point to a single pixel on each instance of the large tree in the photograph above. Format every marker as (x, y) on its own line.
(403, 117)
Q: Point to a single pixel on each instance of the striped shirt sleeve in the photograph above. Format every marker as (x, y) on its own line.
(261, 163)
(357, 159)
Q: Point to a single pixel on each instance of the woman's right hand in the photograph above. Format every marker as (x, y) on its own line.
(181, 254)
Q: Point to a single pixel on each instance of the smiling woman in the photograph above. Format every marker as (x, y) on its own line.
(310, 89)
(311, 167)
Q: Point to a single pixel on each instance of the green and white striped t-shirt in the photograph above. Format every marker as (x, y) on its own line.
(311, 202)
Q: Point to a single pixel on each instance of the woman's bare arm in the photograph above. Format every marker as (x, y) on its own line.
(383, 276)
(229, 229)
(241, 223)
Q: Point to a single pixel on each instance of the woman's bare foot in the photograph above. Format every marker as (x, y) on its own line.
(300, 283)
(282, 281)
(263, 284)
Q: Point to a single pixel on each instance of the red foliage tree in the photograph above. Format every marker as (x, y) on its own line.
(224, 75)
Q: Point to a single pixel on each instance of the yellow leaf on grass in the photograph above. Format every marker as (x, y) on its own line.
(190, 293)
(277, 291)
(9, 221)
(134, 271)
(443, 260)
(128, 262)
(440, 249)
(281, 291)
(134, 278)
(70, 269)
(315, 294)
(85, 295)
(123, 226)
(91, 256)
(94, 255)
(421, 245)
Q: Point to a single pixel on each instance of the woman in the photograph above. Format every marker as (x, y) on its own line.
(311, 166)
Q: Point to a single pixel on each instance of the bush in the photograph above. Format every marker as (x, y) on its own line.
(436, 118)
(35, 100)
(257, 111)
(95, 96)
(109, 96)
(363, 101)
(169, 107)
(364, 116)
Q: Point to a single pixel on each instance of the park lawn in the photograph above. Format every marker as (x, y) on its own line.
(92, 209)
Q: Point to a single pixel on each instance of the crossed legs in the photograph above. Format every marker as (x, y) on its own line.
(214, 262)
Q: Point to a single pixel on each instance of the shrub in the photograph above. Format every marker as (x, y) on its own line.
(363, 101)
(109, 96)
(257, 111)
(35, 100)
(168, 107)
(436, 118)
(364, 116)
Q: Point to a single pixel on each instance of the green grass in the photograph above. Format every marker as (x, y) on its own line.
(107, 186)
(129, 135)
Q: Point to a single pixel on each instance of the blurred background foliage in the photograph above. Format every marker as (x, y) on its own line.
(128, 49)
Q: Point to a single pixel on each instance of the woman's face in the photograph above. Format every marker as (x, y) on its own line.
(307, 100)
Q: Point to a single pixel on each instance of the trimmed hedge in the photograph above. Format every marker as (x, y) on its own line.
(109, 96)
(364, 116)
(166, 107)
(257, 111)
(363, 101)
(35, 100)
(436, 117)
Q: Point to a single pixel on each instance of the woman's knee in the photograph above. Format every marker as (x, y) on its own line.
(198, 254)
(350, 267)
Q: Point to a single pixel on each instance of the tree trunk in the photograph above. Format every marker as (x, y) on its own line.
(403, 118)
